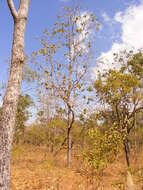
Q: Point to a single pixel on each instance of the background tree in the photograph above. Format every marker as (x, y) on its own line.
(121, 92)
(22, 116)
(64, 76)
(10, 100)
(117, 90)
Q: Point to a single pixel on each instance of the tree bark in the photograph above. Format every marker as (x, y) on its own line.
(69, 141)
(127, 152)
(10, 100)
(130, 182)
(135, 136)
(69, 148)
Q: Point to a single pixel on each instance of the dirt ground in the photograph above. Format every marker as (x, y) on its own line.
(35, 169)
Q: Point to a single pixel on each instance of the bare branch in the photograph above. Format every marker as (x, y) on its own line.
(136, 111)
(12, 8)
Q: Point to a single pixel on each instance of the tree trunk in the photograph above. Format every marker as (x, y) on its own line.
(10, 100)
(130, 182)
(69, 142)
(135, 136)
(127, 152)
(69, 147)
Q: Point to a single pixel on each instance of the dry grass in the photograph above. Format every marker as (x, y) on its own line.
(35, 169)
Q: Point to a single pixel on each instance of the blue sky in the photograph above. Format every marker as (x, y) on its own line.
(121, 22)
(42, 14)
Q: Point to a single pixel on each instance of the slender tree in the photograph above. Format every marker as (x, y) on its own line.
(64, 75)
(10, 100)
(122, 92)
(117, 90)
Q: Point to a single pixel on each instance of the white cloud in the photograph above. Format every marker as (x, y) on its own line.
(0, 103)
(132, 29)
(131, 37)
(118, 16)
(106, 61)
(106, 17)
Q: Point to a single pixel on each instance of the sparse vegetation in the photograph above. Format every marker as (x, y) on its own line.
(76, 132)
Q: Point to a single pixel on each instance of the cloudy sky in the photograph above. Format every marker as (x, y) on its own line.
(128, 37)
(122, 27)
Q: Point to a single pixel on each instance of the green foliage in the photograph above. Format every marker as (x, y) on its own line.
(52, 134)
(35, 135)
(22, 116)
(121, 92)
(116, 87)
(56, 132)
(135, 65)
(103, 147)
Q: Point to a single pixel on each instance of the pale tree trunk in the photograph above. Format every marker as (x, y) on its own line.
(130, 182)
(10, 100)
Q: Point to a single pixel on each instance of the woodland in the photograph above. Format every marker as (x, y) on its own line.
(65, 129)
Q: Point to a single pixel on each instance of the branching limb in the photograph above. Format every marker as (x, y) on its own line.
(135, 111)
(12, 8)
